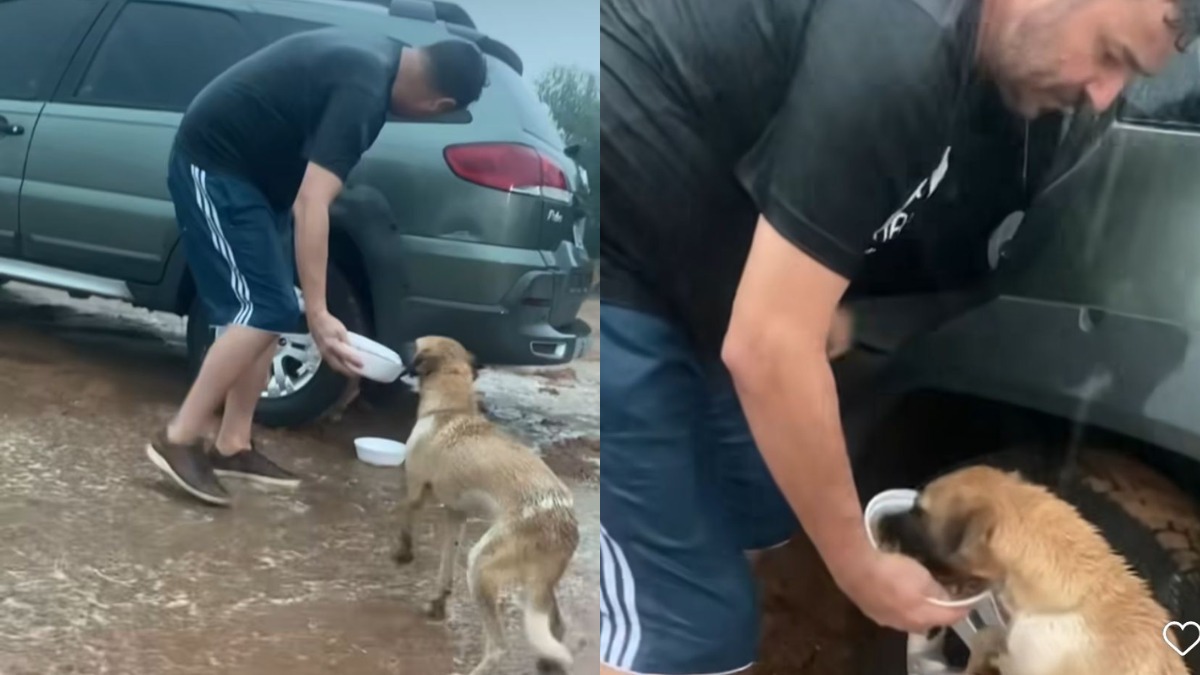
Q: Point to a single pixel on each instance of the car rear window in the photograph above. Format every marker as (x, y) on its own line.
(534, 115)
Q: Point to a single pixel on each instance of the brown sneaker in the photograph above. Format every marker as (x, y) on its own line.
(189, 466)
(253, 465)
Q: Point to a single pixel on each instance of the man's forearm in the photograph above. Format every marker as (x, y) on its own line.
(312, 253)
(789, 397)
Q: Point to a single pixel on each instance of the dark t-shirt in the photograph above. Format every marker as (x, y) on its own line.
(834, 118)
(319, 96)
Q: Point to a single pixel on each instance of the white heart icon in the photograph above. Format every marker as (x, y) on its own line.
(1181, 627)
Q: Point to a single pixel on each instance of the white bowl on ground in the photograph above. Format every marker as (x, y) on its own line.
(898, 501)
(378, 362)
(380, 451)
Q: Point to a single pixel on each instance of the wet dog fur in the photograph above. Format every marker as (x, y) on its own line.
(461, 460)
(1075, 606)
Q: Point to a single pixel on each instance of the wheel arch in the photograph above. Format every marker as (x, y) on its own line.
(1082, 366)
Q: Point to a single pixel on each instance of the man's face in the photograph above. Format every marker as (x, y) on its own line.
(419, 107)
(420, 100)
(1059, 54)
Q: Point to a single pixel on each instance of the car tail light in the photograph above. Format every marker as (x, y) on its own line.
(509, 167)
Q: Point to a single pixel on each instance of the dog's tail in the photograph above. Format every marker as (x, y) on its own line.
(544, 627)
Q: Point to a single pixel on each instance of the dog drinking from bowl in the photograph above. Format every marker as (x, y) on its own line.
(1073, 605)
(461, 460)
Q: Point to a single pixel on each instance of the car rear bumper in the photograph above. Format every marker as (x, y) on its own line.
(497, 337)
(534, 322)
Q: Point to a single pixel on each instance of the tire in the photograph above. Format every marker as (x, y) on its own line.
(1146, 518)
(310, 402)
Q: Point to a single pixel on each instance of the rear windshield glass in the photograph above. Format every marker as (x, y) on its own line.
(535, 116)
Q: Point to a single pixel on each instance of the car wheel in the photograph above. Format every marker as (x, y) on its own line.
(1145, 516)
(301, 388)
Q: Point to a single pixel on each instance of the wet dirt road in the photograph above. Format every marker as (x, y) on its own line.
(107, 569)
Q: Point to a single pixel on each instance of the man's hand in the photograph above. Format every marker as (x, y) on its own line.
(777, 350)
(332, 339)
(894, 591)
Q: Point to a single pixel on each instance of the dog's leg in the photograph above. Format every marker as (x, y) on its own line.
(485, 588)
(558, 627)
(413, 502)
(451, 529)
(986, 651)
(544, 629)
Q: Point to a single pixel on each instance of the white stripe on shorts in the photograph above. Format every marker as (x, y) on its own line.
(240, 289)
(620, 631)
(620, 627)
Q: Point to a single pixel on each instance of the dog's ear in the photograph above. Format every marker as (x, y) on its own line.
(968, 535)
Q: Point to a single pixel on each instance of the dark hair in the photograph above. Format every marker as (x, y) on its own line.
(457, 70)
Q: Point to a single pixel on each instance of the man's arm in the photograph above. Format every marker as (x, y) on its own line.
(776, 351)
(351, 121)
(317, 192)
(311, 209)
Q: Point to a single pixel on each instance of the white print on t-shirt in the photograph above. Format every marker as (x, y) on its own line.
(899, 219)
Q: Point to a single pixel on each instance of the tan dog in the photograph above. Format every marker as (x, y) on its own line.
(457, 457)
(1074, 605)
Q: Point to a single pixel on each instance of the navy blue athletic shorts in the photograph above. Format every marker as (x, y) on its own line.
(683, 493)
(235, 244)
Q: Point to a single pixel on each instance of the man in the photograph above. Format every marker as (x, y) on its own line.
(754, 153)
(276, 135)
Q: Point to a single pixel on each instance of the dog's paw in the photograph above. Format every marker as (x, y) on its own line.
(548, 667)
(404, 555)
(436, 609)
(986, 650)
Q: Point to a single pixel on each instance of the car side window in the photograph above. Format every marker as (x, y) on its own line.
(1170, 98)
(269, 28)
(33, 36)
(159, 56)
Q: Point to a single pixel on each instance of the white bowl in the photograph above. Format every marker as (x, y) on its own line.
(380, 451)
(899, 501)
(378, 362)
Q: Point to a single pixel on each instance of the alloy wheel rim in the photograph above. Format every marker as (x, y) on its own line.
(926, 654)
(296, 362)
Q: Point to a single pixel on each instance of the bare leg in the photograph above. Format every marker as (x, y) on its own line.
(231, 355)
(237, 424)
(413, 502)
(451, 530)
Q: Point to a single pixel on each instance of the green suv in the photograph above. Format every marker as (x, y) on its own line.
(470, 225)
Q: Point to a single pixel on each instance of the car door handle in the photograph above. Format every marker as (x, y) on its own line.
(7, 129)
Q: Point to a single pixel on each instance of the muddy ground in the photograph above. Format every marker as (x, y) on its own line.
(809, 627)
(105, 568)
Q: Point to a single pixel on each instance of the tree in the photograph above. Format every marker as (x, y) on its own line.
(573, 96)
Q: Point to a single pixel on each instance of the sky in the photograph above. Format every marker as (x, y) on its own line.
(544, 32)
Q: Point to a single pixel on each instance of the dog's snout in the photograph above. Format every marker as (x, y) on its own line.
(408, 354)
(905, 532)
(890, 528)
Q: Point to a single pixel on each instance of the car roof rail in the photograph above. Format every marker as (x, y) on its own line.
(458, 22)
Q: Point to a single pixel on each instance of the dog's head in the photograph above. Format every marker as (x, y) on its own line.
(437, 355)
(952, 528)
